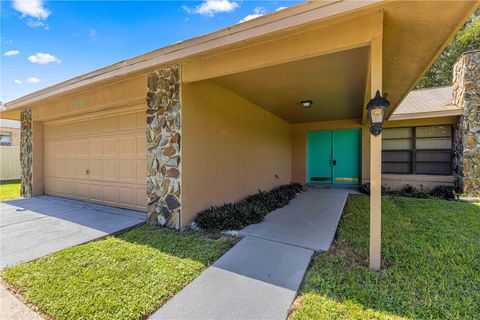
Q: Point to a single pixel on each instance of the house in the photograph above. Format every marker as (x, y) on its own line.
(9, 133)
(224, 115)
(9, 149)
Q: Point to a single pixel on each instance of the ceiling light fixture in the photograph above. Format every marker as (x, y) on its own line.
(306, 104)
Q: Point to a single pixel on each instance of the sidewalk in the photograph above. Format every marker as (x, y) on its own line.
(13, 309)
(259, 277)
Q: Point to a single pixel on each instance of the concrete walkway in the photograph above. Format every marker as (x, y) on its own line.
(34, 227)
(308, 221)
(256, 279)
(260, 276)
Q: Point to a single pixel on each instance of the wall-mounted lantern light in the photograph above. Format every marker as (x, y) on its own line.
(376, 112)
(306, 104)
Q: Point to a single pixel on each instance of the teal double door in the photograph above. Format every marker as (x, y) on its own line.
(333, 157)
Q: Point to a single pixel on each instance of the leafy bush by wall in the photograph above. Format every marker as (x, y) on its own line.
(444, 192)
(252, 209)
(411, 191)
(365, 188)
(441, 192)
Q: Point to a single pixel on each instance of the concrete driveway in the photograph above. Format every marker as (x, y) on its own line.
(37, 226)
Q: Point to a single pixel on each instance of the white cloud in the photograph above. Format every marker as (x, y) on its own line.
(11, 53)
(257, 12)
(31, 8)
(280, 8)
(32, 80)
(37, 24)
(16, 81)
(43, 58)
(210, 7)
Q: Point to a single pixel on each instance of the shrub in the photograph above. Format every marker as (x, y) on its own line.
(411, 191)
(444, 192)
(253, 209)
(408, 191)
(365, 188)
(422, 193)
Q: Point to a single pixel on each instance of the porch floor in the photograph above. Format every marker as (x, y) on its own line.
(260, 276)
(308, 221)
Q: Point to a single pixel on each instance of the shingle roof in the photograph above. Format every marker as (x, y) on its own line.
(426, 100)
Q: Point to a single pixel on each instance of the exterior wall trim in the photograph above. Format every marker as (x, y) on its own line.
(422, 115)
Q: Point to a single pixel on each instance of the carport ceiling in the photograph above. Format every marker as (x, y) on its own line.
(334, 82)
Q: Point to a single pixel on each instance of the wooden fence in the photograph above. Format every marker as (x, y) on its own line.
(9, 163)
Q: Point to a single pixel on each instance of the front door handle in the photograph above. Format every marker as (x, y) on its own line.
(334, 162)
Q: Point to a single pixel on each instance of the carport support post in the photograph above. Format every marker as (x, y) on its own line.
(31, 154)
(26, 152)
(375, 162)
(164, 110)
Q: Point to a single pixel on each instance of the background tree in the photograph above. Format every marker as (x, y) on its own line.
(467, 39)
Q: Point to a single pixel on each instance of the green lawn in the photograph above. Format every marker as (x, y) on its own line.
(9, 190)
(128, 277)
(431, 260)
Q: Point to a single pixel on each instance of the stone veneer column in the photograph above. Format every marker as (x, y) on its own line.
(466, 94)
(163, 144)
(26, 152)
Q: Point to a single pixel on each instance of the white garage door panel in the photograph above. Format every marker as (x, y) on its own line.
(98, 158)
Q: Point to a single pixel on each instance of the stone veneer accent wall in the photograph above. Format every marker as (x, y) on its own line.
(163, 144)
(26, 152)
(466, 93)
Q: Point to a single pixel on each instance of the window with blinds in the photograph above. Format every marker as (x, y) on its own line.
(417, 150)
(5, 138)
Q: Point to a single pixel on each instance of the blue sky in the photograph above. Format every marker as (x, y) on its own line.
(46, 42)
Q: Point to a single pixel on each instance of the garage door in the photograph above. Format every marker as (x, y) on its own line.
(98, 158)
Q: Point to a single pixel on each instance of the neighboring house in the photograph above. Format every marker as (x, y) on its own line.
(9, 133)
(224, 117)
(9, 149)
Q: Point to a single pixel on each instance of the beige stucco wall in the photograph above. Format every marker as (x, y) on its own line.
(121, 92)
(37, 158)
(396, 182)
(230, 148)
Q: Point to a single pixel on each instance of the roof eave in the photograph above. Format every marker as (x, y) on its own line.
(430, 114)
(283, 19)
